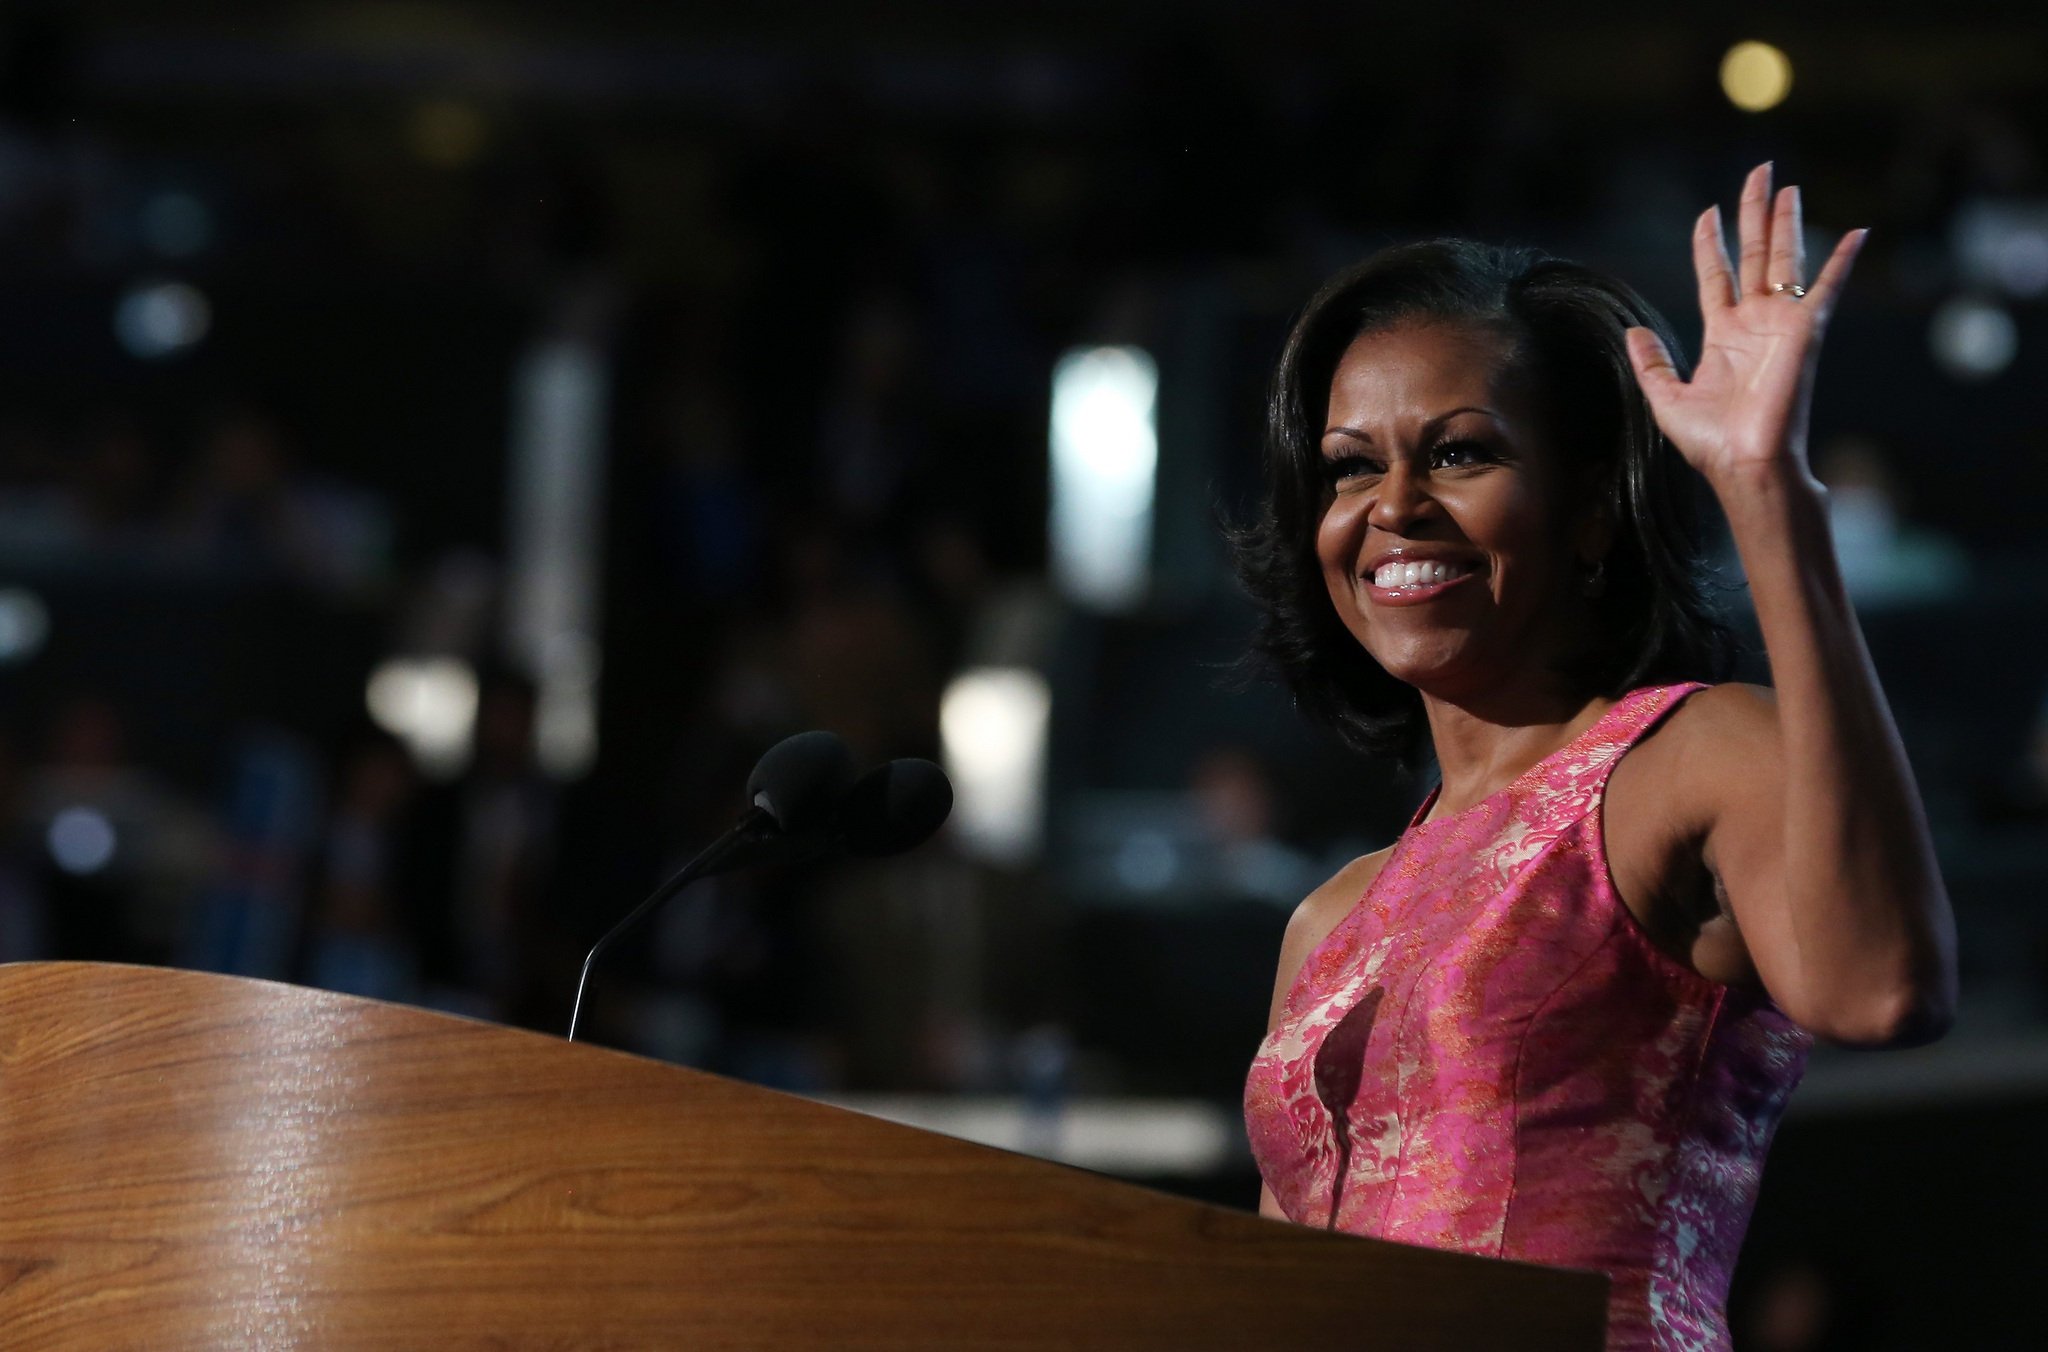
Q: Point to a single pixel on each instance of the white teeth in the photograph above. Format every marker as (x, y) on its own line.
(1417, 574)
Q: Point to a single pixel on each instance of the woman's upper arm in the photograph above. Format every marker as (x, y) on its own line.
(1837, 931)
(1316, 917)
(1734, 769)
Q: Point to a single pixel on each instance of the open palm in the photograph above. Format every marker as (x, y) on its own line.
(1746, 404)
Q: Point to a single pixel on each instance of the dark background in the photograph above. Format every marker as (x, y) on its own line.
(823, 258)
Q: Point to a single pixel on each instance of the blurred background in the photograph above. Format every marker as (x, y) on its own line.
(442, 445)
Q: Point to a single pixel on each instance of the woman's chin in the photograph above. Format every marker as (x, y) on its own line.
(1435, 670)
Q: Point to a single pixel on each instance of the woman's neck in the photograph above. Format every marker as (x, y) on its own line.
(1483, 744)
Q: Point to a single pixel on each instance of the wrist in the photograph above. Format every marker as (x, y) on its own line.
(1778, 519)
(1780, 478)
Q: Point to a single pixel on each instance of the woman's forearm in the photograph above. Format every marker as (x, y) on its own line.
(1870, 916)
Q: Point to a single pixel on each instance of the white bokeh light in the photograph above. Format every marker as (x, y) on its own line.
(1105, 461)
(159, 319)
(1973, 339)
(993, 723)
(429, 703)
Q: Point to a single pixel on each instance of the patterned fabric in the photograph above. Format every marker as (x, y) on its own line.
(1487, 1054)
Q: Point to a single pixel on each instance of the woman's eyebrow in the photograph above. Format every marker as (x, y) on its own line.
(1429, 426)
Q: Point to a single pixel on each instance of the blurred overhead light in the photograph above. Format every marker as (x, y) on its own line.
(1973, 339)
(81, 840)
(447, 133)
(159, 319)
(24, 624)
(429, 703)
(554, 535)
(1105, 460)
(993, 723)
(1755, 76)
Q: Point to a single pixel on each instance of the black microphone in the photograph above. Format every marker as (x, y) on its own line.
(894, 807)
(794, 797)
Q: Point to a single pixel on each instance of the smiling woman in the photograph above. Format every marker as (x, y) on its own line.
(1507, 360)
(1559, 1019)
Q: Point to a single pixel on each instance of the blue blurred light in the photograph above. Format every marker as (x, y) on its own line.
(24, 625)
(81, 840)
(158, 319)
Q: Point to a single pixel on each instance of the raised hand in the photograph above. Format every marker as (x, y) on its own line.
(1746, 406)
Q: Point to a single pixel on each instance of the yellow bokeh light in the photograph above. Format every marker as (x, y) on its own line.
(1756, 76)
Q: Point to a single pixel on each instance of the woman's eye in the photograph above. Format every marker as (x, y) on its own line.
(1453, 454)
(1343, 469)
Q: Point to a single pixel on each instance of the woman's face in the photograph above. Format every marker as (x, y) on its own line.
(1446, 540)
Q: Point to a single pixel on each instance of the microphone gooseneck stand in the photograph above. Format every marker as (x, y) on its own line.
(806, 801)
(756, 828)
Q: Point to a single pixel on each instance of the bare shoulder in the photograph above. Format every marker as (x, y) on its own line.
(1318, 914)
(1733, 706)
(1723, 732)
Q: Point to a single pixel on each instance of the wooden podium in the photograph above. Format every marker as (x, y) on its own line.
(194, 1161)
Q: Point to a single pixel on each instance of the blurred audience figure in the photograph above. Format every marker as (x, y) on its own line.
(24, 913)
(248, 509)
(1792, 1310)
(980, 617)
(116, 487)
(707, 514)
(1885, 559)
(479, 858)
(248, 919)
(356, 939)
(2017, 791)
(36, 517)
(872, 433)
(857, 660)
(1238, 808)
(120, 853)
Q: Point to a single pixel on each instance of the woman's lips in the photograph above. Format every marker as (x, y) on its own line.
(1418, 592)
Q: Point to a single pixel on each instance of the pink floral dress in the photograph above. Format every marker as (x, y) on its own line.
(1489, 1055)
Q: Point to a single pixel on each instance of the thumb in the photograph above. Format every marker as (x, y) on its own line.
(1654, 369)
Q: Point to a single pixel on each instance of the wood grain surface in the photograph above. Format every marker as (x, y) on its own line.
(193, 1161)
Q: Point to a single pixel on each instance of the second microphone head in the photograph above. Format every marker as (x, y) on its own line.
(894, 807)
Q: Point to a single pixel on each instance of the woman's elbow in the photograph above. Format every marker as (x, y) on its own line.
(1911, 1017)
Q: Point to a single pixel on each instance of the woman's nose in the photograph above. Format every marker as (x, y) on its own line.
(1402, 500)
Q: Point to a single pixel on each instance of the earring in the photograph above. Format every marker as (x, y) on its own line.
(1596, 579)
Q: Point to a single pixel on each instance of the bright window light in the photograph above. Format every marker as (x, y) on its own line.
(992, 724)
(429, 703)
(1105, 460)
(561, 395)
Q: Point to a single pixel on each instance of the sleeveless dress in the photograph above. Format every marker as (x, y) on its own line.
(1487, 1054)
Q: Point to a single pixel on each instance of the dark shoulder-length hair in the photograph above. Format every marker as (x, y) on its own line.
(1652, 621)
